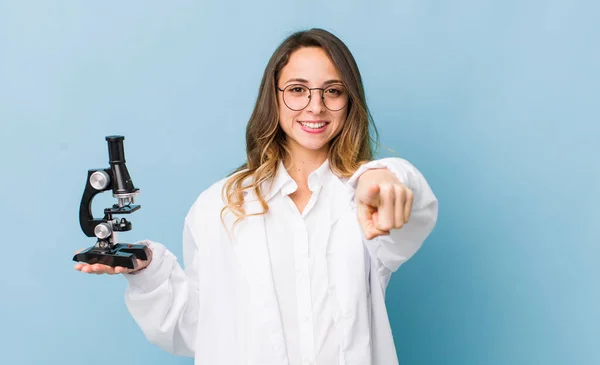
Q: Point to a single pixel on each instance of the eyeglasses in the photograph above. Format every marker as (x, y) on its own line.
(297, 96)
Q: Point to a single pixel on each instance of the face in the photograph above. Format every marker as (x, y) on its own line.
(312, 128)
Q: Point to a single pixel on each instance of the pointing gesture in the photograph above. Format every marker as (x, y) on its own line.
(382, 202)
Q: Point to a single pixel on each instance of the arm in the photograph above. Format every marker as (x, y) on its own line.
(390, 250)
(163, 298)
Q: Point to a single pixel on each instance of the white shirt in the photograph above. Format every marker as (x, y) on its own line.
(297, 248)
(234, 297)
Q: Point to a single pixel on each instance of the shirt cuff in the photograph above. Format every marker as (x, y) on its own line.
(394, 165)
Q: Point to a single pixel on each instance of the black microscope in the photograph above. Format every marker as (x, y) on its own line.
(107, 250)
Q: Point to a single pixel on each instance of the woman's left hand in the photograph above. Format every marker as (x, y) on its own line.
(382, 202)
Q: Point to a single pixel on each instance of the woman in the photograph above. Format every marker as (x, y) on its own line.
(287, 260)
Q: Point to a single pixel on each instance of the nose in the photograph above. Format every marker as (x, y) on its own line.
(315, 104)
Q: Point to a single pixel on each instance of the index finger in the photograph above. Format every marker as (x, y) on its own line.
(370, 195)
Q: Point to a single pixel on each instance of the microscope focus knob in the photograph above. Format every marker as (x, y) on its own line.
(99, 180)
(103, 230)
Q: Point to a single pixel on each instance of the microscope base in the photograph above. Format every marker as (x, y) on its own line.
(120, 254)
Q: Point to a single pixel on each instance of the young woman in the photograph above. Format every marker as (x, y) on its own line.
(287, 260)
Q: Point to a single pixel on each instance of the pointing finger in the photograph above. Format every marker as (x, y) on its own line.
(370, 195)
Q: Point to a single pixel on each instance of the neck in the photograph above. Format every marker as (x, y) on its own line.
(303, 162)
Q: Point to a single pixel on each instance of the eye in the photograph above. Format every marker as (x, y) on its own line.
(297, 89)
(335, 91)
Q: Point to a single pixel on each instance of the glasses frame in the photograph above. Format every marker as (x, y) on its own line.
(310, 96)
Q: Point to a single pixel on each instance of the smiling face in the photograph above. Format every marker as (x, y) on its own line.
(310, 130)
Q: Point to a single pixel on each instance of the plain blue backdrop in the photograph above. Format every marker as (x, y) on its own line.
(496, 102)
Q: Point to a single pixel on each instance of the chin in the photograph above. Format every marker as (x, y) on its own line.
(312, 146)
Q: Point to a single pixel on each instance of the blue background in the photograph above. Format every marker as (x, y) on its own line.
(496, 102)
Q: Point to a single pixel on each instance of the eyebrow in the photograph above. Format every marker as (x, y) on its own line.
(328, 82)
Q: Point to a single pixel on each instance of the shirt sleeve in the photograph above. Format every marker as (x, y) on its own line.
(163, 297)
(401, 244)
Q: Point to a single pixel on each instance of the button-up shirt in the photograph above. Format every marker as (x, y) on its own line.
(283, 288)
(297, 246)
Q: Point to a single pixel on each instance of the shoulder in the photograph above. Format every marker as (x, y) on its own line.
(211, 199)
(208, 201)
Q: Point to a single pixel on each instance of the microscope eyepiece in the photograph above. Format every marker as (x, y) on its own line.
(122, 186)
(116, 152)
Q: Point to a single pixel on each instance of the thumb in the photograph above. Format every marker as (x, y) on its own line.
(367, 216)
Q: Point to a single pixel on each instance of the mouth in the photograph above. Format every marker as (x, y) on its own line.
(313, 126)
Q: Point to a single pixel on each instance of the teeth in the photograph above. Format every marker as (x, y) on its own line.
(313, 125)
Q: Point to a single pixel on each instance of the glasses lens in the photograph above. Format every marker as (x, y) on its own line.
(335, 97)
(296, 97)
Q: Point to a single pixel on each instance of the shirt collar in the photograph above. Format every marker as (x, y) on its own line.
(319, 177)
(284, 183)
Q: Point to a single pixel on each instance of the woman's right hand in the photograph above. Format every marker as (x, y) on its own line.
(105, 269)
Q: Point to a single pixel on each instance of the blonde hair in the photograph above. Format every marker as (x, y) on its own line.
(265, 140)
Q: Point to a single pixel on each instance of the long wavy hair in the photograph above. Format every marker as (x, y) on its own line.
(266, 141)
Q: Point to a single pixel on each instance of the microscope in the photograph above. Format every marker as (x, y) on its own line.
(107, 250)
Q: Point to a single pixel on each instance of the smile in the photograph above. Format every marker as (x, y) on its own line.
(313, 125)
